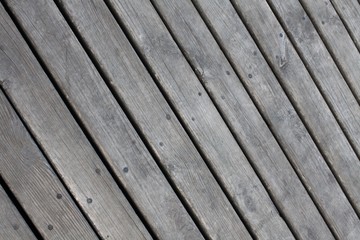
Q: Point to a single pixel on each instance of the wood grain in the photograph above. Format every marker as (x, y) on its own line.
(325, 73)
(62, 140)
(154, 118)
(12, 224)
(337, 40)
(34, 183)
(317, 116)
(349, 12)
(105, 121)
(273, 103)
(202, 120)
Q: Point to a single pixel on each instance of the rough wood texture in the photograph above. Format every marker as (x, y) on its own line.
(202, 119)
(337, 39)
(349, 12)
(34, 183)
(325, 74)
(320, 121)
(62, 140)
(155, 119)
(12, 224)
(105, 121)
(275, 106)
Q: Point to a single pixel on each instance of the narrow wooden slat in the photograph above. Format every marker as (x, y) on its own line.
(34, 183)
(337, 39)
(325, 73)
(12, 224)
(61, 139)
(349, 11)
(154, 118)
(301, 89)
(201, 118)
(276, 108)
(106, 122)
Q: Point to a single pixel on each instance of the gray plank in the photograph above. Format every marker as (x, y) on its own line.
(202, 119)
(325, 73)
(12, 224)
(154, 118)
(62, 140)
(35, 184)
(276, 108)
(349, 12)
(105, 121)
(308, 100)
(337, 39)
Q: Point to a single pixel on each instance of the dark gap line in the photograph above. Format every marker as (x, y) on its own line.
(45, 156)
(71, 110)
(17, 204)
(257, 42)
(352, 36)
(330, 50)
(267, 123)
(132, 120)
(182, 122)
(312, 74)
(224, 118)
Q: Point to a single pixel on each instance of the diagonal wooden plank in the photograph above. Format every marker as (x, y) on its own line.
(326, 75)
(62, 140)
(309, 102)
(12, 224)
(275, 106)
(349, 12)
(201, 118)
(154, 118)
(105, 121)
(337, 40)
(34, 183)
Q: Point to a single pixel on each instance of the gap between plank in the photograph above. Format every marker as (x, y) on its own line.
(82, 127)
(222, 114)
(329, 48)
(18, 206)
(134, 124)
(268, 124)
(296, 110)
(311, 72)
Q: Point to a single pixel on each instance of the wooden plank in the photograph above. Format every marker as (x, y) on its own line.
(12, 224)
(337, 40)
(201, 118)
(349, 12)
(155, 119)
(189, 173)
(275, 106)
(325, 73)
(62, 140)
(301, 89)
(105, 121)
(319, 119)
(35, 184)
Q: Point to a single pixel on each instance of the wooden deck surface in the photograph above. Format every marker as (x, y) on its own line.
(180, 119)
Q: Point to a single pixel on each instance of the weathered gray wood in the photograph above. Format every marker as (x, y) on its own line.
(12, 224)
(155, 119)
(62, 140)
(105, 121)
(34, 183)
(337, 39)
(319, 62)
(326, 74)
(319, 119)
(349, 12)
(276, 108)
(201, 118)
